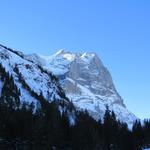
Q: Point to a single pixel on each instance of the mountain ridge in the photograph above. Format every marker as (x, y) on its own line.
(84, 78)
(67, 67)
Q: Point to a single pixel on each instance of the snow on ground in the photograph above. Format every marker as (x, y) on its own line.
(38, 81)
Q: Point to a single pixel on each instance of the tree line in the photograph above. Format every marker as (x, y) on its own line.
(24, 129)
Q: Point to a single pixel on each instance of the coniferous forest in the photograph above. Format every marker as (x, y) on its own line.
(48, 129)
(22, 127)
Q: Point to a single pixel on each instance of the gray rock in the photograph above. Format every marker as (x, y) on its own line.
(88, 83)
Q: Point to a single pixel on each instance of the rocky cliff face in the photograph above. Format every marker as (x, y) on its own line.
(87, 83)
(88, 71)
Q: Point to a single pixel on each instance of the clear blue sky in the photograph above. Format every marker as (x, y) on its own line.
(118, 30)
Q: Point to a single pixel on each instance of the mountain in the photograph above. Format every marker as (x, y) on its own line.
(87, 83)
(37, 108)
(82, 78)
(27, 82)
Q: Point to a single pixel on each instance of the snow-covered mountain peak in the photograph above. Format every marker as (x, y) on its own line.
(84, 78)
(70, 56)
(88, 54)
(61, 51)
(88, 83)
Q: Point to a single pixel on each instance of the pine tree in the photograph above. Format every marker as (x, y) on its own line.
(137, 135)
(10, 93)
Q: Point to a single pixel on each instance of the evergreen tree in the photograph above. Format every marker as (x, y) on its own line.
(138, 136)
(10, 93)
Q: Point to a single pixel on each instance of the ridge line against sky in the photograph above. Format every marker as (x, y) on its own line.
(118, 31)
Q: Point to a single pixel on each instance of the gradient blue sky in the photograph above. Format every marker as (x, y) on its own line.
(118, 30)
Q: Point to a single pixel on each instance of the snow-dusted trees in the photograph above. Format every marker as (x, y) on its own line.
(9, 93)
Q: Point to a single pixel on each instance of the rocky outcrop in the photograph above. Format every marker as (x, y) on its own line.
(88, 83)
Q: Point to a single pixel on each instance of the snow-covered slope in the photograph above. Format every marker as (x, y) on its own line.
(87, 83)
(31, 74)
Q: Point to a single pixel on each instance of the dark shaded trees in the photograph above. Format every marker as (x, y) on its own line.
(48, 128)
